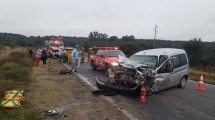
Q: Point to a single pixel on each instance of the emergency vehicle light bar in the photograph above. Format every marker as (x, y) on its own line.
(107, 48)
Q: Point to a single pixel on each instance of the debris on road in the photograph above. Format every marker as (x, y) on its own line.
(106, 92)
(65, 72)
(58, 112)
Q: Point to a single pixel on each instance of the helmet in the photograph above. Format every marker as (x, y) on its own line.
(77, 46)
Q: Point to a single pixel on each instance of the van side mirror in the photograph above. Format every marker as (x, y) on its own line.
(166, 66)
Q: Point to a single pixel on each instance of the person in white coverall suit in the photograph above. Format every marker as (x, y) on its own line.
(75, 59)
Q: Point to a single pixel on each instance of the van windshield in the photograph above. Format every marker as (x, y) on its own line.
(56, 44)
(151, 61)
(114, 53)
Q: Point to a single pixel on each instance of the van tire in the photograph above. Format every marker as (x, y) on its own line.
(183, 82)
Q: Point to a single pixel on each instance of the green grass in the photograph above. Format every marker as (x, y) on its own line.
(15, 73)
(208, 77)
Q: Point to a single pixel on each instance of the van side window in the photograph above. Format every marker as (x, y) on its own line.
(166, 67)
(162, 58)
(177, 62)
(180, 60)
(183, 59)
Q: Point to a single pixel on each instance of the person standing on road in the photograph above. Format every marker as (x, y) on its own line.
(79, 57)
(38, 56)
(50, 65)
(44, 56)
(75, 58)
(60, 54)
(30, 52)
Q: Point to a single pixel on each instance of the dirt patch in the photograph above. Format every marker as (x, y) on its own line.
(50, 90)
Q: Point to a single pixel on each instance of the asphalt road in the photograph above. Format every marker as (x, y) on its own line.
(171, 104)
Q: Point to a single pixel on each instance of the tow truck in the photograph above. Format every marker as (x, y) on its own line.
(105, 57)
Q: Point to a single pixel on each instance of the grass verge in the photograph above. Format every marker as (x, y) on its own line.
(208, 77)
(16, 67)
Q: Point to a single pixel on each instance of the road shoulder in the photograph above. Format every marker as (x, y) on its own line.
(50, 90)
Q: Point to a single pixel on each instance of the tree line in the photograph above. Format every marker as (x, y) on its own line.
(200, 53)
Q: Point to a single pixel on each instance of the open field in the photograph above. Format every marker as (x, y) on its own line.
(15, 67)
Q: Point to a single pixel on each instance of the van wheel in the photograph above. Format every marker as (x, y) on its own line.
(94, 66)
(182, 83)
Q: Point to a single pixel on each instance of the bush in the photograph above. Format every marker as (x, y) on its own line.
(15, 71)
(17, 55)
(15, 67)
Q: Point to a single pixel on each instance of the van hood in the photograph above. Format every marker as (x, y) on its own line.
(112, 59)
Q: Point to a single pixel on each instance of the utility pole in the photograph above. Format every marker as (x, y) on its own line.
(155, 29)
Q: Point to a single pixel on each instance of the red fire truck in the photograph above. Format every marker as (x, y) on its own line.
(54, 45)
(105, 57)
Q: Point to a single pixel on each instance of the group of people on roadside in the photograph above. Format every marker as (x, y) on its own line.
(41, 54)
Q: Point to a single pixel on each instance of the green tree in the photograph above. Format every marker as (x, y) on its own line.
(129, 48)
(95, 36)
(128, 38)
(113, 38)
(194, 49)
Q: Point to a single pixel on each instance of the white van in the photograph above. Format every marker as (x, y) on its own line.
(165, 78)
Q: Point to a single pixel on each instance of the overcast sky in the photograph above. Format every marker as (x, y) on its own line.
(176, 19)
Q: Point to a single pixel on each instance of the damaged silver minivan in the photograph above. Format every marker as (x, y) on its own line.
(165, 78)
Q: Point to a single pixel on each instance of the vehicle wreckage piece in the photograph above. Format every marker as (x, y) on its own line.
(120, 89)
(65, 72)
(106, 92)
(130, 76)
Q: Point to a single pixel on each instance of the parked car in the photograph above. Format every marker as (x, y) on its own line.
(165, 78)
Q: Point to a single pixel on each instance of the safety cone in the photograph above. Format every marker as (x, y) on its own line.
(201, 84)
(143, 95)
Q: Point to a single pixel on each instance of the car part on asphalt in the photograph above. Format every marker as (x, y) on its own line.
(65, 72)
(106, 92)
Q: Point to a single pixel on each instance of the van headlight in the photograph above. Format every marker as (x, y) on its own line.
(114, 64)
